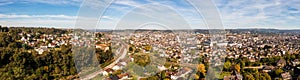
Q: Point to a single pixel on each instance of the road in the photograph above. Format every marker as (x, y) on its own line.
(253, 67)
(123, 52)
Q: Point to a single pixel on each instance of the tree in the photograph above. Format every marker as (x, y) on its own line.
(227, 65)
(196, 76)
(46, 76)
(237, 67)
(153, 78)
(5, 39)
(249, 77)
(257, 76)
(20, 61)
(278, 72)
(39, 72)
(201, 68)
(242, 65)
(267, 76)
(148, 47)
(57, 70)
(262, 78)
(142, 59)
(131, 49)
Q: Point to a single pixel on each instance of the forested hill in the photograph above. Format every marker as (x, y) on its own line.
(20, 60)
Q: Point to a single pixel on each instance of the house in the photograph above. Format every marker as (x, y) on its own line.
(228, 78)
(107, 71)
(286, 76)
(268, 68)
(41, 49)
(23, 39)
(296, 62)
(104, 73)
(122, 64)
(281, 63)
(252, 60)
(206, 60)
(123, 76)
(181, 73)
(51, 45)
(119, 66)
(116, 67)
(161, 68)
(103, 47)
(235, 76)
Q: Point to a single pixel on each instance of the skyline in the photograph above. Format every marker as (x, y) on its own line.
(277, 14)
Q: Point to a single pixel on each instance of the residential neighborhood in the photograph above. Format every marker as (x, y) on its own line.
(160, 54)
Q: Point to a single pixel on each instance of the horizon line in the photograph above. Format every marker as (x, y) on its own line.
(141, 29)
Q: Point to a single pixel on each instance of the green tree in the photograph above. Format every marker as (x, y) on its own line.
(267, 76)
(227, 65)
(278, 72)
(262, 78)
(57, 70)
(142, 59)
(249, 77)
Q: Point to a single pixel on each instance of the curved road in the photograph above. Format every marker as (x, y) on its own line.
(123, 52)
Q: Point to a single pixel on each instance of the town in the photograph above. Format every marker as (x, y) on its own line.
(154, 54)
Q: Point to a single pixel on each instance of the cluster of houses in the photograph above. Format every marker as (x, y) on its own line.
(45, 42)
(257, 46)
(186, 48)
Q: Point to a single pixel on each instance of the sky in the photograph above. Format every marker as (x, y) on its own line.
(234, 14)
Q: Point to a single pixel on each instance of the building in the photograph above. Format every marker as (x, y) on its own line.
(286, 76)
(103, 47)
(281, 63)
(268, 68)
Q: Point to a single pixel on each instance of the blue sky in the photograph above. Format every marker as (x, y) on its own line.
(278, 14)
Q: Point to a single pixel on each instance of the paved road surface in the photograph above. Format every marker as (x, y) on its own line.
(254, 67)
(123, 52)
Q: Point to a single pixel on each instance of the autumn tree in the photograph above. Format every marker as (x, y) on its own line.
(237, 67)
(148, 47)
(201, 69)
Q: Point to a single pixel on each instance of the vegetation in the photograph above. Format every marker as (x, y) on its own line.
(20, 61)
(141, 59)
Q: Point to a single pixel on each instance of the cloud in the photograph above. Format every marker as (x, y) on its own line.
(253, 13)
(14, 16)
(5, 2)
(107, 17)
(123, 7)
(38, 23)
(56, 2)
(53, 2)
(130, 3)
(234, 13)
(58, 21)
